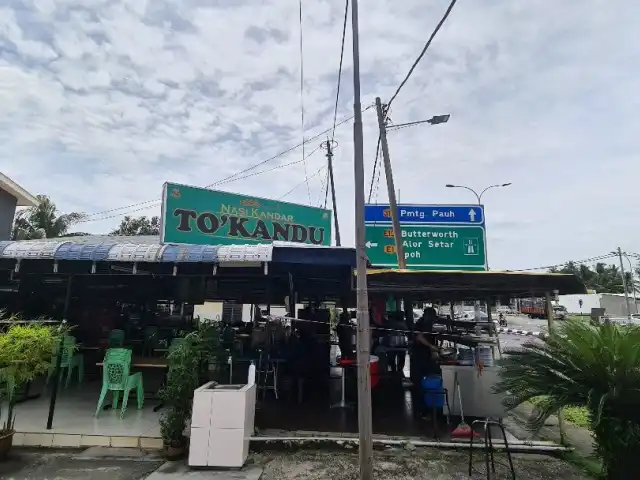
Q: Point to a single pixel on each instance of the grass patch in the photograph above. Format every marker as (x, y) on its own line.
(578, 416)
(591, 466)
(584, 318)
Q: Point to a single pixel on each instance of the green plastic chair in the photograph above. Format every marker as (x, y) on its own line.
(151, 340)
(116, 338)
(71, 359)
(116, 378)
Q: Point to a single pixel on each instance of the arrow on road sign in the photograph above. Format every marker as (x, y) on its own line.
(472, 215)
(371, 244)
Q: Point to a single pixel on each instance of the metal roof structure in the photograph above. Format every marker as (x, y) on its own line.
(149, 249)
(453, 285)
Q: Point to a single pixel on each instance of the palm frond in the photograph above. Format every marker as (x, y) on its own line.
(579, 364)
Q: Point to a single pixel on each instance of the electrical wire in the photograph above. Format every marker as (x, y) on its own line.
(302, 183)
(302, 97)
(335, 110)
(326, 190)
(227, 179)
(375, 166)
(306, 179)
(377, 188)
(559, 265)
(422, 54)
(344, 32)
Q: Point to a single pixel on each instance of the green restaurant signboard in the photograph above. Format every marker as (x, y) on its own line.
(210, 217)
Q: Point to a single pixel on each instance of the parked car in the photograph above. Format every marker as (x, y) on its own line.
(560, 313)
(470, 315)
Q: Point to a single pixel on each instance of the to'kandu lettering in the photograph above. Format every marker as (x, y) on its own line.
(257, 227)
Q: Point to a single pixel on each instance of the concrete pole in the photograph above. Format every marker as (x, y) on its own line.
(365, 428)
(550, 319)
(391, 191)
(624, 285)
(333, 192)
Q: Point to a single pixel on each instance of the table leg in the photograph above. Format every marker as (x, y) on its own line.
(342, 403)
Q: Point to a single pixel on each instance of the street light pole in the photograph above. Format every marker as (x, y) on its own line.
(365, 429)
(478, 196)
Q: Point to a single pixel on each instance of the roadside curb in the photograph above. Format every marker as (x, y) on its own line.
(525, 333)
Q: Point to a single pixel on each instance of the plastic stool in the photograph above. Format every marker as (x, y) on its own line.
(429, 395)
(488, 447)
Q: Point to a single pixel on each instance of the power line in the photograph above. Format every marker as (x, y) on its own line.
(375, 166)
(326, 190)
(307, 178)
(335, 110)
(157, 202)
(344, 31)
(226, 179)
(559, 265)
(424, 51)
(317, 172)
(302, 97)
(377, 188)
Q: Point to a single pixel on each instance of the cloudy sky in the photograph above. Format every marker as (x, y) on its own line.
(101, 101)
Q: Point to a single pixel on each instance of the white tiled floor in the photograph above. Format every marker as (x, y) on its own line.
(74, 414)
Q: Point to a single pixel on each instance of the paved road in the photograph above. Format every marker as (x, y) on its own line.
(520, 322)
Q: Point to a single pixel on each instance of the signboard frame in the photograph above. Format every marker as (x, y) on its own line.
(430, 216)
(228, 240)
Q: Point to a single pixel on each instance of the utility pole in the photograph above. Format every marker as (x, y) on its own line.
(624, 284)
(550, 328)
(328, 146)
(391, 191)
(365, 429)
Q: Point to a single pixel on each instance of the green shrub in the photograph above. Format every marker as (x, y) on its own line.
(188, 364)
(584, 365)
(26, 350)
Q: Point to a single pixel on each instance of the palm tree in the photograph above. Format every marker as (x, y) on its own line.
(592, 366)
(43, 221)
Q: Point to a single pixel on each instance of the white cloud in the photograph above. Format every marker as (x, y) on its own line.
(103, 101)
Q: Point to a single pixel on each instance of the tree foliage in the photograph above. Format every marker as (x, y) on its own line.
(43, 221)
(579, 364)
(603, 278)
(133, 226)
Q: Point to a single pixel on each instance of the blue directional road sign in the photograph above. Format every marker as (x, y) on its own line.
(427, 214)
(434, 237)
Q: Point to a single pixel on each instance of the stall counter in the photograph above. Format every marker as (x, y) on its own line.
(478, 397)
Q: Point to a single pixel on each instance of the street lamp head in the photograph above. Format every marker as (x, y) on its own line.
(449, 185)
(436, 119)
(505, 184)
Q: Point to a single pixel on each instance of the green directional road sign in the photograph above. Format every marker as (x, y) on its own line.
(428, 247)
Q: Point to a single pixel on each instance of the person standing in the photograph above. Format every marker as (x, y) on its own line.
(424, 354)
(398, 342)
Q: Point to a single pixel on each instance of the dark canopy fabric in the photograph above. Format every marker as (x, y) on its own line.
(459, 285)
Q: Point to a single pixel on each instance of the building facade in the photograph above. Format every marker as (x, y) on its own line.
(12, 196)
